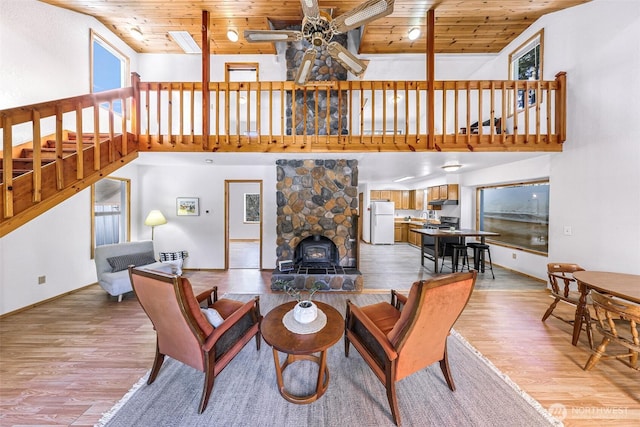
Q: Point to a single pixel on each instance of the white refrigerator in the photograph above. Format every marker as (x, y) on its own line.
(382, 227)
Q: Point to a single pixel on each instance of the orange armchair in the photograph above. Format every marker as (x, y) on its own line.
(400, 338)
(182, 331)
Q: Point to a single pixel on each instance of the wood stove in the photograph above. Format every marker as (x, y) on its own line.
(316, 252)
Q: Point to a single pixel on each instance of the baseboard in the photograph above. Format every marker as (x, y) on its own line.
(36, 304)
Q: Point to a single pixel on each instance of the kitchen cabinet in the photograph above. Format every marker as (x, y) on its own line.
(441, 192)
(402, 199)
(414, 239)
(416, 200)
(400, 232)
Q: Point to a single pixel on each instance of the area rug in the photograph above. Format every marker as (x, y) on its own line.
(245, 393)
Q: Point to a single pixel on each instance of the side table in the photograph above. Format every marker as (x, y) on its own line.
(302, 346)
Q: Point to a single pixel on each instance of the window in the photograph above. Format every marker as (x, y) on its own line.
(111, 216)
(251, 207)
(109, 68)
(519, 212)
(525, 63)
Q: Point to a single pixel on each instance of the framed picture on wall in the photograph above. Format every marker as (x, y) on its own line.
(251, 207)
(187, 206)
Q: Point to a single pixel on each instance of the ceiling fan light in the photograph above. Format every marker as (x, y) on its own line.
(366, 13)
(451, 166)
(414, 33)
(232, 35)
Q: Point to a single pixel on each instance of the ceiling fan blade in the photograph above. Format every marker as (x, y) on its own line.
(310, 8)
(261, 36)
(366, 12)
(347, 59)
(304, 71)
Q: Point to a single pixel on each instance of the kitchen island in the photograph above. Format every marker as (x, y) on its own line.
(431, 250)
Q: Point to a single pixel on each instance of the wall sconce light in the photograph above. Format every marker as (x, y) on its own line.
(414, 33)
(154, 219)
(136, 34)
(232, 35)
(451, 166)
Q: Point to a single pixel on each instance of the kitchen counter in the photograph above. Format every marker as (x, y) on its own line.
(415, 221)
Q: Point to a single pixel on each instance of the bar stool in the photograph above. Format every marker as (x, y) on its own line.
(457, 251)
(478, 257)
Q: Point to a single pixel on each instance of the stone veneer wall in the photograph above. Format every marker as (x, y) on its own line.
(325, 68)
(317, 197)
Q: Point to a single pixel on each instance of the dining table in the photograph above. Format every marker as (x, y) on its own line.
(438, 233)
(621, 285)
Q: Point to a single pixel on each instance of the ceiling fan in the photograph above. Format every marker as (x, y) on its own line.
(318, 28)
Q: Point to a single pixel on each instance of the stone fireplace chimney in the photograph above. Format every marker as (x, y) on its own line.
(317, 197)
(317, 202)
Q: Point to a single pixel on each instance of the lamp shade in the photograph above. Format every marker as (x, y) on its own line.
(154, 218)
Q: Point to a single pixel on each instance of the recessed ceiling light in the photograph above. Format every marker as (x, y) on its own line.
(185, 41)
(208, 161)
(136, 34)
(232, 35)
(414, 33)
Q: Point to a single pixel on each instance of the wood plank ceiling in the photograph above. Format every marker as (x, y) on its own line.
(462, 26)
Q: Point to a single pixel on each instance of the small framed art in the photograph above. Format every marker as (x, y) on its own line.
(187, 206)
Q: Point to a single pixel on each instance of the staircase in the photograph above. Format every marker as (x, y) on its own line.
(61, 174)
(24, 161)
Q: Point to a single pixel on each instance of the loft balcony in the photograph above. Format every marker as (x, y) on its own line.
(82, 139)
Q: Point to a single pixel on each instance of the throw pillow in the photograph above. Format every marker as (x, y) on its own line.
(212, 316)
(176, 266)
(122, 262)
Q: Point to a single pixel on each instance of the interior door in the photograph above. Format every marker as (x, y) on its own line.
(243, 224)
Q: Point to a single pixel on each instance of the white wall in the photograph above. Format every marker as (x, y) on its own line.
(203, 235)
(595, 181)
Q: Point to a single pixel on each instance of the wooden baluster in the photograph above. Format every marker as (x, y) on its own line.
(455, 112)
(125, 134)
(192, 107)
(467, 85)
(37, 156)
(515, 111)
(505, 110)
(59, 165)
(111, 134)
(7, 166)
(181, 114)
(159, 113)
(96, 137)
(258, 112)
(79, 146)
(492, 91)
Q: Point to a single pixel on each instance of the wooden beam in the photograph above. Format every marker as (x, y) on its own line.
(206, 74)
(431, 62)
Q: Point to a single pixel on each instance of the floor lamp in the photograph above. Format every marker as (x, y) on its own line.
(154, 218)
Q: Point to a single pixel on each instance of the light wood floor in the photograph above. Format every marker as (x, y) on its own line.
(68, 361)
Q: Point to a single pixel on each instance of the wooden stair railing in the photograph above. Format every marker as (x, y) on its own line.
(36, 177)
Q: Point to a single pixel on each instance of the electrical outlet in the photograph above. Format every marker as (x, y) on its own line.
(42, 280)
(567, 230)
(514, 256)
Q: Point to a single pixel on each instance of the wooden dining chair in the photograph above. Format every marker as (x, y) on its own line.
(184, 333)
(408, 334)
(618, 321)
(564, 288)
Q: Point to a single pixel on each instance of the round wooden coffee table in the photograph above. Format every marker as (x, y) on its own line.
(302, 346)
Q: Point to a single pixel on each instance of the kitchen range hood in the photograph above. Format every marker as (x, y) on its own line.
(443, 202)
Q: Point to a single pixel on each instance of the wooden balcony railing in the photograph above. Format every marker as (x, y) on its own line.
(94, 134)
(354, 116)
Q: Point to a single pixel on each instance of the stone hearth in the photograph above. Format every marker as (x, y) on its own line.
(318, 198)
